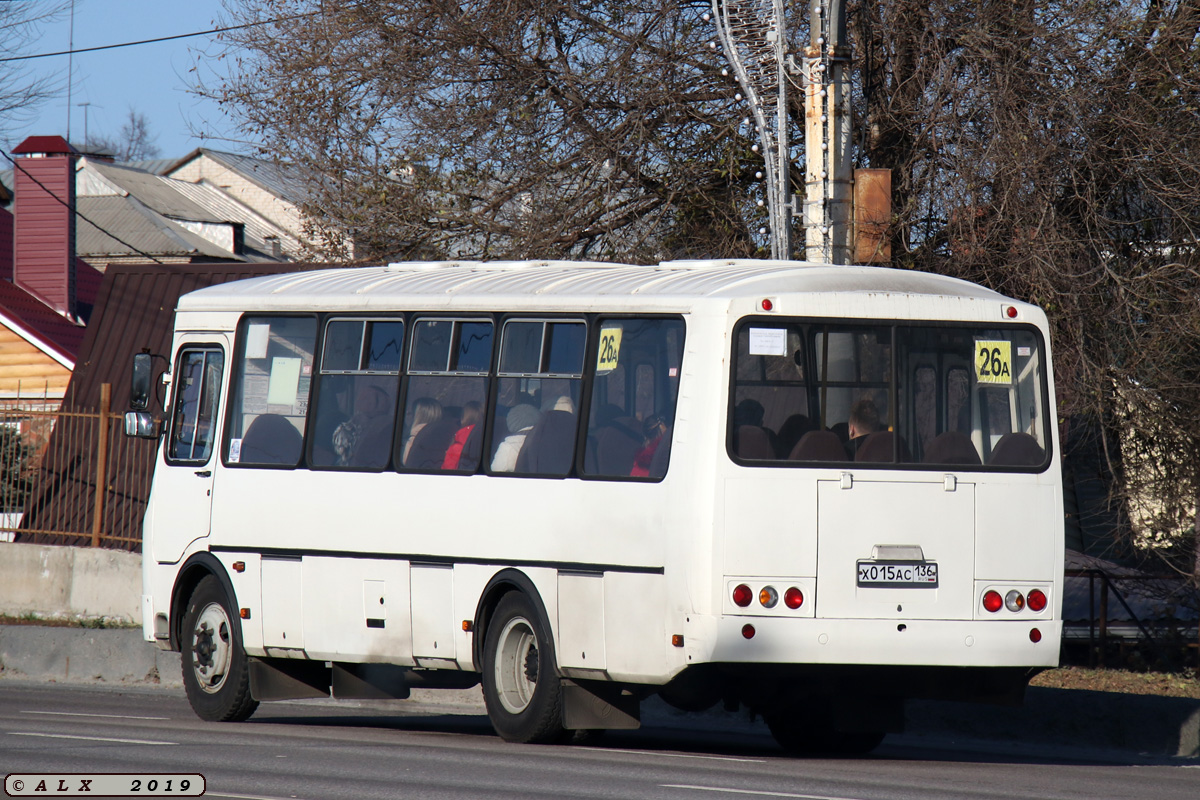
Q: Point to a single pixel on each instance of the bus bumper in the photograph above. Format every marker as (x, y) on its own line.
(966, 643)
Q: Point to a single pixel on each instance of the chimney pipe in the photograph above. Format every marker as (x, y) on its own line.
(44, 241)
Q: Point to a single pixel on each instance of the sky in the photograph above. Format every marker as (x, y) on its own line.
(152, 79)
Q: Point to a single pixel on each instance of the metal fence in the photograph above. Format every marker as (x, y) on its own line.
(71, 476)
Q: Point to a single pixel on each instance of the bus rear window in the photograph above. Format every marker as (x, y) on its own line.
(936, 395)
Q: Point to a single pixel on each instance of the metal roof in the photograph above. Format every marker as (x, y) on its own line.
(577, 282)
(141, 230)
(281, 180)
(163, 195)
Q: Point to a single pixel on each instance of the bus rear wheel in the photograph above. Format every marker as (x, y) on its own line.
(520, 681)
(216, 674)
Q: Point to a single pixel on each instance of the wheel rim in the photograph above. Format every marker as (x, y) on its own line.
(516, 667)
(212, 648)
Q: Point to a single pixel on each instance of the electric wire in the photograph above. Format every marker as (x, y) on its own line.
(74, 51)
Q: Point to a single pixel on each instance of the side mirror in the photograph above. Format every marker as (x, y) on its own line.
(141, 425)
(139, 388)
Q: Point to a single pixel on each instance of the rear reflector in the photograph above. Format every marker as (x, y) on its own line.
(742, 595)
(748, 631)
(1035, 636)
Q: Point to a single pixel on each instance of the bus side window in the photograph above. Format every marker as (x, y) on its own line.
(269, 401)
(447, 393)
(636, 385)
(538, 393)
(354, 408)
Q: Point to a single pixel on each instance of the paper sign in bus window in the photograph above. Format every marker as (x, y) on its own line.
(610, 349)
(993, 361)
(285, 381)
(768, 341)
(257, 337)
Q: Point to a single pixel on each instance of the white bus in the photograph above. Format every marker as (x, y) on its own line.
(808, 490)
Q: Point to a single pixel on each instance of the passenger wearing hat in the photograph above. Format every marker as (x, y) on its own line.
(521, 419)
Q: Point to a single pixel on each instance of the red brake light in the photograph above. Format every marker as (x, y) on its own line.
(992, 601)
(1036, 600)
(793, 598)
(742, 595)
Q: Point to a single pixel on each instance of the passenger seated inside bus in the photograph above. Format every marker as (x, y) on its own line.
(520, 420)
(365, 438)
(655, 432)
(864, 420)
(426, 410)
(472, 415)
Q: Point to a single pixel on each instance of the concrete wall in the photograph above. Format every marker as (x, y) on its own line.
(70, 582)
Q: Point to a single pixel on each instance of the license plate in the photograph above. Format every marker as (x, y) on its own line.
(898, 574)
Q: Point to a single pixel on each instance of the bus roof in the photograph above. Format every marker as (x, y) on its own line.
(542, 283)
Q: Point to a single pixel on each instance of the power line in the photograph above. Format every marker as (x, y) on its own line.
(159, 39)
(17, 165)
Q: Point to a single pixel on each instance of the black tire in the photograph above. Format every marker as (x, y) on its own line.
(520, 680)
(799, 736)
(216, 674)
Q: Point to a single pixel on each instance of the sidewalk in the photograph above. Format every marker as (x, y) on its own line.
(1132, 724)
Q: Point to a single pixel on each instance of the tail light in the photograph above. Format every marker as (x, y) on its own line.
(793, 598)
(1037, 600)
(742, 595)
(992, 601)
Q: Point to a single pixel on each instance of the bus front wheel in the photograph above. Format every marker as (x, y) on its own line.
(216, 674)
(520, 683)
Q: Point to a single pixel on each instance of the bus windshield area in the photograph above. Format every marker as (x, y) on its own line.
(910, 395)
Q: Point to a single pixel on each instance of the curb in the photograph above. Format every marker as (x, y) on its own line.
(1146, 725)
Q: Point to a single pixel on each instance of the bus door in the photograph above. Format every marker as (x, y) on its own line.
(183, 481)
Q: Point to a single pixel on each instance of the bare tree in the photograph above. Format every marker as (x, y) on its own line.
(528, 128)
(21, 89)
(135, 142)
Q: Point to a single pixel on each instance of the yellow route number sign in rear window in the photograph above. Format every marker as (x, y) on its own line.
(993, 361)
(610, 349)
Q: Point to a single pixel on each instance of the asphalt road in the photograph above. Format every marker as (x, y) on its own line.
(324, 750)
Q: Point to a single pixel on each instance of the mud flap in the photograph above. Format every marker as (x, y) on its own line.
(284, 679)
(597, 705)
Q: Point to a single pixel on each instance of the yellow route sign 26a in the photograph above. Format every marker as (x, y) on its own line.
(610, 349)
(993, 361)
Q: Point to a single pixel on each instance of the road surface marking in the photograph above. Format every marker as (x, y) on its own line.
(672, 755)
(751, 792)
(88, 738)
(78, 714)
